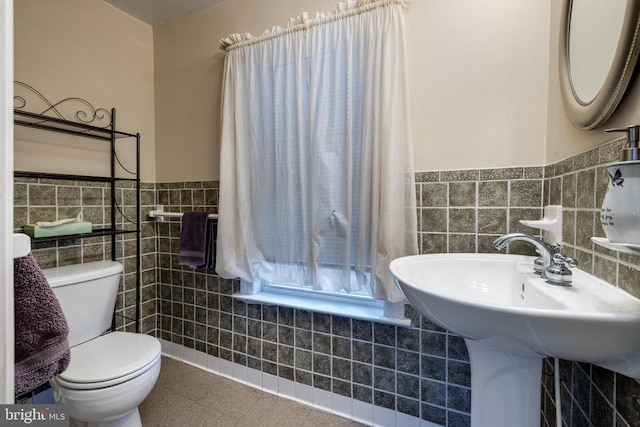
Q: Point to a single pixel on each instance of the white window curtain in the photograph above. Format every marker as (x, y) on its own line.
(316, 170)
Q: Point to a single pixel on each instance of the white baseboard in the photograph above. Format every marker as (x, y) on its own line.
(361, 412)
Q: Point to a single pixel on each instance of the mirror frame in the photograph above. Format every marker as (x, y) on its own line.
(595, 112)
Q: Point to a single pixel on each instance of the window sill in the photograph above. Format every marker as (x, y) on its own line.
(338, 308)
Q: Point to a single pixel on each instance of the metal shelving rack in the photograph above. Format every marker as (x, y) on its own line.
(52, 120)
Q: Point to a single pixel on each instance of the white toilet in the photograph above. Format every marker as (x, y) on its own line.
(109, 375)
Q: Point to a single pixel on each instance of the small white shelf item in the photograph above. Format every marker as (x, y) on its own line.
(160, 214)
(550, 224)
(626, 248)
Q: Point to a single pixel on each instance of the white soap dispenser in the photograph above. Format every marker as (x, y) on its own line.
(620, 213)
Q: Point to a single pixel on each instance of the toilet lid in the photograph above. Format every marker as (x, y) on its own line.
(109, 357)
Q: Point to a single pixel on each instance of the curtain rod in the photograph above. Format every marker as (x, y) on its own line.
(303, 22)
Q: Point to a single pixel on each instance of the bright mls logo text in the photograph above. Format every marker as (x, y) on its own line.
(30, 414)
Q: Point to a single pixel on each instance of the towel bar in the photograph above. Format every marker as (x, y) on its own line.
(160, 214)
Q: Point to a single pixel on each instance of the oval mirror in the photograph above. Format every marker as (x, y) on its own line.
(598, 53)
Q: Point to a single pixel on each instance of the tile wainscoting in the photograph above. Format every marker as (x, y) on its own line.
(49, 199)
(421, 371)
(416, 373)
(591, 396)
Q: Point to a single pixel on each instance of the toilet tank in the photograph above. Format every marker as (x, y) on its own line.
(87, 294)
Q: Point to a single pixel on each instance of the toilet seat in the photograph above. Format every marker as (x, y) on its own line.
(109, 360)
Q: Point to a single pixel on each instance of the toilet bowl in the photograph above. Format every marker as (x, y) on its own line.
(109, 374)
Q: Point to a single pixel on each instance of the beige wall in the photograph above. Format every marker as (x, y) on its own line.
(188, 66)
(478, 74)
(86, 49)
(478, 97)
(483, 79)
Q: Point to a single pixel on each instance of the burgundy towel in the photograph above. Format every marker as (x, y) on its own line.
(41, 330)
(197, 240)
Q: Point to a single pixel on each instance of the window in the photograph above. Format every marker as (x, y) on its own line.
(361, 307)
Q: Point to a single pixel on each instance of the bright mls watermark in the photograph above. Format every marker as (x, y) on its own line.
(54, 415)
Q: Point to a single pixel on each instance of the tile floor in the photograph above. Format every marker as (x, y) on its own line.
(186, 396)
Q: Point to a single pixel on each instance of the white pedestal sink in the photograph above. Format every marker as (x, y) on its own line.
(512, 319)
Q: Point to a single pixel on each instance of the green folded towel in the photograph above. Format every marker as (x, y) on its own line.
(76, 227)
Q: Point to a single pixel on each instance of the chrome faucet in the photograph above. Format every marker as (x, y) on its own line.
(555, 266)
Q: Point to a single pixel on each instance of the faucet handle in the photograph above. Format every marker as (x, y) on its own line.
(565, 261)
(538, 263)
(558, 272)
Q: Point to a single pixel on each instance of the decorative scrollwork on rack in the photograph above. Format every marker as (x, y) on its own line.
(83, 112)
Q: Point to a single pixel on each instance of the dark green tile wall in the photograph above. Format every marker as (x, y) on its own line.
(47, 200)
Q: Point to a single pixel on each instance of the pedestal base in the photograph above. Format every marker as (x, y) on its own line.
(505, 387)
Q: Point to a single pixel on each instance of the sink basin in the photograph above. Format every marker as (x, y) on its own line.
(498, 299)
(512, 319)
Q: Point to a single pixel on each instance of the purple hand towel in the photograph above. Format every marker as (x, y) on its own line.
(41, 330)
(196, 240)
